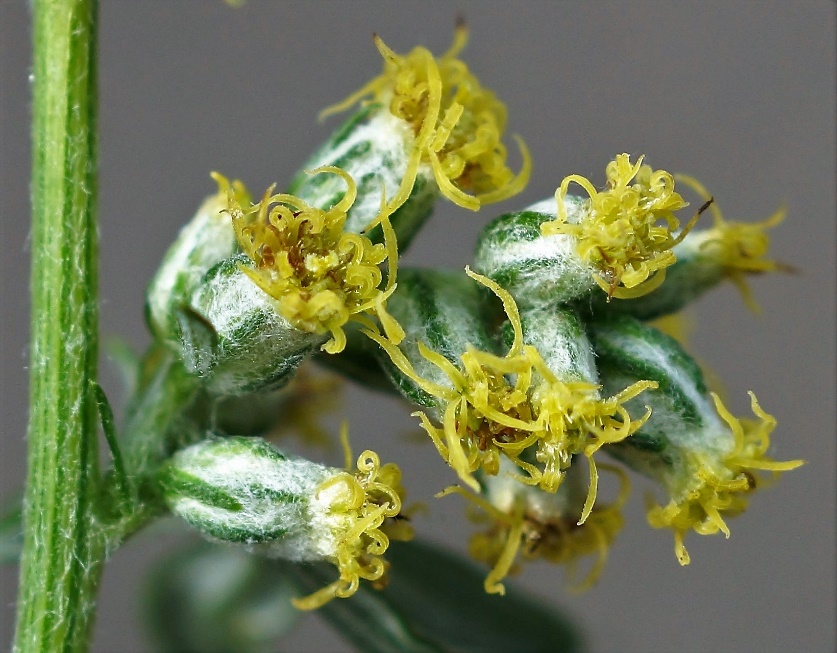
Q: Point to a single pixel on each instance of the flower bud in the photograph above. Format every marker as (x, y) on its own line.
(707, 460)
(242, 490)
(233, 335)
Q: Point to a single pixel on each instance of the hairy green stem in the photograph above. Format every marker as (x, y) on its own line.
(62, 550)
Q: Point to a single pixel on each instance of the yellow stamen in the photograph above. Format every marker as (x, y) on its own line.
(320, 276)
(236, 187)
(619, 233)
(457, 124)
(721, 487)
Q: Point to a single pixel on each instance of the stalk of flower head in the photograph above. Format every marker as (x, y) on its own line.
(301, 277)
(241, 490)
(483, 407)
(615, 243)
(705, 258)
(426, 127)
(526, 522)
(707, 460)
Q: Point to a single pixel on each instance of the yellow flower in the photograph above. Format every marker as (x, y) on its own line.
(456, 124)
(739, 247)
(320, 275)
(715, 488)
(619, 231)
(363, 510)
(525, 529)
(486, 416)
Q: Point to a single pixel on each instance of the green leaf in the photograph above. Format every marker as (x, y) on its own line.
(441, 593)
(435, 601)
(216, 599)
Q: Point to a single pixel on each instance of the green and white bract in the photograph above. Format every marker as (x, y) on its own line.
(373, 147)
(536, 269)
(205, 240)
(235, 338)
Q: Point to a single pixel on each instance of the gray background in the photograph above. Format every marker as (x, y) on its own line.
(740, 95)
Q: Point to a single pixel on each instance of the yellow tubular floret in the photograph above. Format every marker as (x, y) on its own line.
(457, 125)
(365, 507)
(626, 230)
(558, 539)
(721, 488)
(320, 275)
(485, 415)
(740, 247)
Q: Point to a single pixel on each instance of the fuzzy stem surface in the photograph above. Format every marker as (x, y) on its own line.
(62, 550)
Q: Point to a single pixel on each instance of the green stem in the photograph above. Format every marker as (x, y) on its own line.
(62, 550)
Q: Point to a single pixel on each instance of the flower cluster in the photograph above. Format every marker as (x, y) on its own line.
(522, 370)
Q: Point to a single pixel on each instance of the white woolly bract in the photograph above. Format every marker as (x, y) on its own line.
(205, 240)
(253, 345)
(390, 140)
(547, 268)
(275, 494)
(560, 339)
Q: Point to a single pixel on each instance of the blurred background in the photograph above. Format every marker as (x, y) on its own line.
(740, 95)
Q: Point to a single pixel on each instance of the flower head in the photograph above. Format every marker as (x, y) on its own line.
(537, 420)
(718, 485)
(361, 509)
(242, 490)
(739, 247)
(619, 231)
(457, 124)
(320, 275)
(524, 523)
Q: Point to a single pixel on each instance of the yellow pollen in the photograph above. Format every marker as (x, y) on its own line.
(486, 415)
(740, 247)
(369, 502)
(457, 124)
(721, 488)
(626, 231)
(320, 275)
